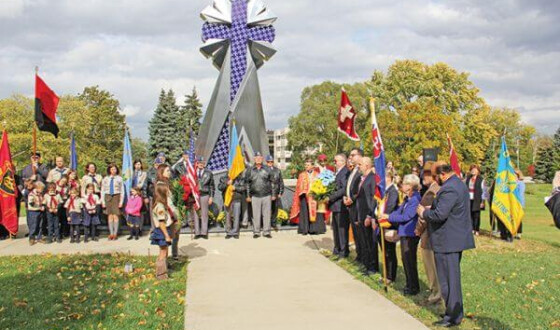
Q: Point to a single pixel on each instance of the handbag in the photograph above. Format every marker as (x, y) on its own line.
(392, 235)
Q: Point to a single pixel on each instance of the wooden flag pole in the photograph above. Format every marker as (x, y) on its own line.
(384, 258)
(35, 133)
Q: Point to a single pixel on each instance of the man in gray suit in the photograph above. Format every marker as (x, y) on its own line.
(450, 231)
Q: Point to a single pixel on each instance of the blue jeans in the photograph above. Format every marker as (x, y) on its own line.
(52, 225)
(34, 222)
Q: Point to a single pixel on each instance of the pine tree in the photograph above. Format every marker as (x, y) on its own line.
(545, 167)
(191, 113)
(163, 128)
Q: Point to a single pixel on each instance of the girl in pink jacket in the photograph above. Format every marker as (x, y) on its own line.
(133, 216)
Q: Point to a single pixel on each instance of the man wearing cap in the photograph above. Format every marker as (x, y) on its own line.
(322, 159)
(260, 189)
(278, 184)
(56, 173)
(206, 188)
(180, 167)
(35, 171)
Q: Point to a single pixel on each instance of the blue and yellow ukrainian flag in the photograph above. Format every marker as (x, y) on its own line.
(236, 164)
(506, 203)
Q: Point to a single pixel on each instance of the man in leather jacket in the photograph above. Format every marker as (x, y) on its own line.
(278, 184)
(234, 212)
(206, 188)
(260, 192)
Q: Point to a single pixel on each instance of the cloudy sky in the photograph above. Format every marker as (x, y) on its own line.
(135, 48)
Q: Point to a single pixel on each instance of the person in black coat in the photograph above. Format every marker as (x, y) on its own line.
(475, 184)
(340, 224)
(352, 183)
(366, 205)
(391, 204)
(450, 229)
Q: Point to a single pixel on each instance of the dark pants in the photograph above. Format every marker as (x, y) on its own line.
(90, 231)
(340, 226)
(34, 223)
(357, 240)
(409, 249)
(390, 259)
(504, 232)
(448, 267)
(75, 231)
(369, 241)
(64, 225)
(52, 225)
(475, 216)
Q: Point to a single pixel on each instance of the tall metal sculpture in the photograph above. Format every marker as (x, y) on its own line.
(237, 35)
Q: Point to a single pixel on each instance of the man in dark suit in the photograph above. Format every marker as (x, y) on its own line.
(340, 224)
(450, 231)
(366, 205)
(352, 184)
(207, 189)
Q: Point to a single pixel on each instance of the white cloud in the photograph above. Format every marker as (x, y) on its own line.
(134, 49)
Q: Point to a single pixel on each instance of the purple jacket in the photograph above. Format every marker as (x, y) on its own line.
(405, 215)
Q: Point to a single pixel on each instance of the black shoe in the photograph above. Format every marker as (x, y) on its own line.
(59, 240)
(136, 237)
(256, 235)
(48, 241)
(86, 240)
(268, 236)
(196, 236)
(445, 324)
(228, 236)
(95, 239)
(78, 240)
(205, 236)
(129, 238)
(236, 236)
(72, 240)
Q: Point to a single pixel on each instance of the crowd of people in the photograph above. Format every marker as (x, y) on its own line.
(432, 207)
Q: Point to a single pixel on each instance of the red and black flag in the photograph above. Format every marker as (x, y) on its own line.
(46, 102)
(8, 188)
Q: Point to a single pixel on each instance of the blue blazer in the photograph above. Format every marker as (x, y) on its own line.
(405, 215)
(449, 219)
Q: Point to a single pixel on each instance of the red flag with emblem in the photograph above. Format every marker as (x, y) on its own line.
(347, 118)
(8, 188)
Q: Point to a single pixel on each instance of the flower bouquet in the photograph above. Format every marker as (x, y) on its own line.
(322, 186)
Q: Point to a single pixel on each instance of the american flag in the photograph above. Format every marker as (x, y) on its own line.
(192, 179)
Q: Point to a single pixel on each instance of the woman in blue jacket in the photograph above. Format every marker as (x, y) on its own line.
(405, 217)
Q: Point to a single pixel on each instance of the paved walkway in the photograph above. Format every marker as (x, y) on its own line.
(279, 283)
(282, 283)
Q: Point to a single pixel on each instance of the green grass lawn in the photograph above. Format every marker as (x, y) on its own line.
(89, 292)
(505, 285)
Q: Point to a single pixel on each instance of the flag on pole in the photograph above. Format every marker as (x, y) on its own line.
(127, 169)
(378, 153)
(73, 154)
(347, 118)
(236, 164)
(453, 159)
(191, 177)
(46, 103)
(8, 188)
(506, 203)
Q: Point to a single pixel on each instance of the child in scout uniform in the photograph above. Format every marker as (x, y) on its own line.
(36, 210)
(62, 190)
(161, 235)
(74, 207)
(52, 201)
(91, 212)
(133, 215)
(73, 181)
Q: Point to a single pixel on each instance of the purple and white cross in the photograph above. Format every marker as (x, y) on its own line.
(239, 34)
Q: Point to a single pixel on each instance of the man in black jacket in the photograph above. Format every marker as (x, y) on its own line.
(356, 155)
(258, 181)
(366, 205)
(35, 171)
(340, 224)
(450, 231)
(278, 184)
(206, 189)
(234, 212)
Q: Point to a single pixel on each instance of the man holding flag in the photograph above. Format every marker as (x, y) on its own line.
(236, 189)
(506, 203)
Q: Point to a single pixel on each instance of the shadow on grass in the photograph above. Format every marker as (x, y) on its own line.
(89, 291)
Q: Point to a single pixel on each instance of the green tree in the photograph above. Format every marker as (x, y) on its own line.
(164, 128)
(191, 113)
(556, 148)
(544, 167)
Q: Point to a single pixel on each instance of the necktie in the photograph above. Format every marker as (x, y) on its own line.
(93, 180)
(362, 181)
(53, 201)
(199, 174)
(135, 179)
(91, 200)
(112, 186)
(71, 204)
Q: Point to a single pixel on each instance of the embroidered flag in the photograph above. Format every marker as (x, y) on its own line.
(236, 164)
(378, 153)
(8, 188)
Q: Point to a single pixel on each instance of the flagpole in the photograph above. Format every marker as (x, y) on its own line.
(384, 258)
(35, 129)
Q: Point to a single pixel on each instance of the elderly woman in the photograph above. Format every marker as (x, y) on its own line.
(405, 218)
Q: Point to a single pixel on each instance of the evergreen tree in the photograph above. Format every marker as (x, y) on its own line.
(163, 128)
(490, 163)
(191, 113)
(556, 146)
(545, 167)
